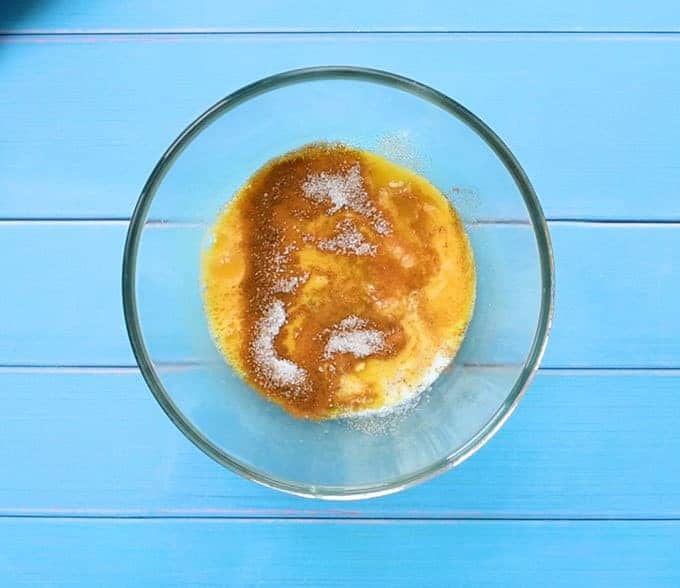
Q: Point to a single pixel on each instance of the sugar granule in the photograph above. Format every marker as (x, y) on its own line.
(287, 285)
(352, 322)
(383, 421)
(352, 336)
(344, 190)
(279, 371)
(348, 240)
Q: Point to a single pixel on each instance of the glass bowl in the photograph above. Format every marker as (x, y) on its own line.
(416, 126)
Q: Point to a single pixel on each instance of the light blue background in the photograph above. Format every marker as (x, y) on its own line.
(582, 486)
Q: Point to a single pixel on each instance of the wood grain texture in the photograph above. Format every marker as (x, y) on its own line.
(280, 553)
(581, 445)
(592, 118)
(99, 488)
(268, 15)
(613, 304)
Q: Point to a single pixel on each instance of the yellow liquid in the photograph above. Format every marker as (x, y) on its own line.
(337, 282)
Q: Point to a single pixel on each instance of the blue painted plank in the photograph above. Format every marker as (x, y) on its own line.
(62, 301)
(593, 118)
(297, 15)
(614, 306)
(334, 553)
(581, 445)
(612, 286)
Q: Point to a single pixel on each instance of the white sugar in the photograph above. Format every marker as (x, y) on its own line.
(287, 285)
(348, 241)
(359, 343)
(352, 322)
(383, 420)
(351, 336)
(280, 258)
(381, 226)
(400, 399)
(344, 190)
(282, 372)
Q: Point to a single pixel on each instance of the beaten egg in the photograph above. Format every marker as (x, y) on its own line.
(338, 283)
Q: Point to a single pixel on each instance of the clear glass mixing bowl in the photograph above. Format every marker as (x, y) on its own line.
(413, 125)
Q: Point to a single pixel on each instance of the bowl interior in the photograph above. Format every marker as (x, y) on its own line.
(411, 125)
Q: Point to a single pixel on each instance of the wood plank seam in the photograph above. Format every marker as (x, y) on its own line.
(321, 31)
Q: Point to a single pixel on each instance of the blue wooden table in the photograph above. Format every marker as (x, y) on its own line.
(581, 487)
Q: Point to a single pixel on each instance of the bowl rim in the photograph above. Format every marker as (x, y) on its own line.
(398, 82)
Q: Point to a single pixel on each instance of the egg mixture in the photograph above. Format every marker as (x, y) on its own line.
(338, 283)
